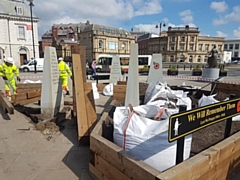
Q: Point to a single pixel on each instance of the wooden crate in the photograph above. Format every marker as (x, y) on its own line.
(27, 93)
(108, 161)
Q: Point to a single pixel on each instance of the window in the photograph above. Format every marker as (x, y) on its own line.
(236, 46)
(206, 47)
(182, 58)
(199, 59)
(213, 45)
(123, 46)
(21, 32)
(190, 59)
(205, 58)
(173, 39)
(200, 47)
(100, 45)
(225, 46)
(235, 54)
(191, 47)
(181, 47)
(112, 45)
(171, 59)
(192, 39)
(19, 10)
(230, 46)
(172, 47)
(182, 38)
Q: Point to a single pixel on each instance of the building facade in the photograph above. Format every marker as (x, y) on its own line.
(183, 44)
(16, 31)
(61, 34)
(102, 41)
(232, 46)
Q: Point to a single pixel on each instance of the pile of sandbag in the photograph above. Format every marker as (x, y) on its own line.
(143, 130)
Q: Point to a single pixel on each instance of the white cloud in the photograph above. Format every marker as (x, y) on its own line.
(99, 12)
(236, 32)
(187, 16)
(150, 7)
(219, 6)
(221, 34)
(217, 22)
(231, 17)
(151, 28)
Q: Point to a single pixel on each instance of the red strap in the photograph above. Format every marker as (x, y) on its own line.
(125, 130)
(159, 114)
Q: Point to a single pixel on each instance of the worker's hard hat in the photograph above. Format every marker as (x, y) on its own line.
(9, 60)
(60, 59)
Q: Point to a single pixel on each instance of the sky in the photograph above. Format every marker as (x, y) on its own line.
(213, 18)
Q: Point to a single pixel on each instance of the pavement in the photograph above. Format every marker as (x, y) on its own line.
(27, 155)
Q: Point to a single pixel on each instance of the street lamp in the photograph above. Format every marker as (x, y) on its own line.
(35, 63)
(160, 27)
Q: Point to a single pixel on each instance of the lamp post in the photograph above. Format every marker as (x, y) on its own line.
(35, 63)
(160, 28)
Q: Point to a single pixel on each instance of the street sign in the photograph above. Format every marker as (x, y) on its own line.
(185, 123)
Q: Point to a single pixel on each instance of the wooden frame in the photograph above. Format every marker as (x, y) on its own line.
(107, 160)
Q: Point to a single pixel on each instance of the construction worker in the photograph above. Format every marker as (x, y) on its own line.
(64, 71)
(8, 70)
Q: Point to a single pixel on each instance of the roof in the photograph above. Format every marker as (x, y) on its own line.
(9, 7)
(109, 29)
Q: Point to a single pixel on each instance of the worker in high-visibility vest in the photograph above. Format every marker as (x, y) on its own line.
(8, 70)
(64, 71)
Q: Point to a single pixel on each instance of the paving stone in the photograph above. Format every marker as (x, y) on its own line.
(20, 175)
(6, 160)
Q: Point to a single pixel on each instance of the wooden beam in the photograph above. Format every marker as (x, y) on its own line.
(30, 86)
(26, 101)
(85, 107)
(6, 105)
(33, 94)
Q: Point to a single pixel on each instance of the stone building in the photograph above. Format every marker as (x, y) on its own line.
(232, 45)
(183, 44)
(16, 31)
(103, 41)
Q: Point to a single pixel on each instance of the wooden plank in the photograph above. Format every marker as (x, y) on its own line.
(33, 94)
(27, 90)
(81, 109)
(108, 170)
(26, 101)
(119, 88)
(6, 105)
(96, 174)
(122, 83)
(119, 96)
(82, 52)
(30, 86)
(90, 106)
(20, 96)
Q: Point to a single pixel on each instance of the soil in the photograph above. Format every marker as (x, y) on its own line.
(43, 123)
(201, 139)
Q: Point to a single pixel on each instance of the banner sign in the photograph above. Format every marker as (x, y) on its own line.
(185, 123)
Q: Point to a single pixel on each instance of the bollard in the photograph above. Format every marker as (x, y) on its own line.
(177, 66)
(190, 67)
(184, 67)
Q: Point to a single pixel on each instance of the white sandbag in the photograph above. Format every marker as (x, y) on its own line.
(108, 90)
(31, 82)
(146, 139)
(206, 100)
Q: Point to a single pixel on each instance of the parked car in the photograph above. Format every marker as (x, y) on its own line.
(30, 66)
